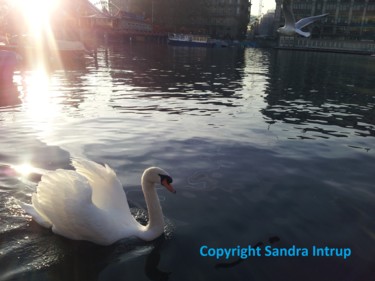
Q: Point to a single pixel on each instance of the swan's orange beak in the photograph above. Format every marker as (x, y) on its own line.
(168, 186)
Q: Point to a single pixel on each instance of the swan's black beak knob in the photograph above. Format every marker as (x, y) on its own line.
(166, 182)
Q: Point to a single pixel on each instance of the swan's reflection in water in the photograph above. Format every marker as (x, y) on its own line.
(116, 262)
(222, 265)
(152, 262)
(33, 249)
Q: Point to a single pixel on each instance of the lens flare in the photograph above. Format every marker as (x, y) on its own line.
(38, 16)
(36, 11)
(23, 169)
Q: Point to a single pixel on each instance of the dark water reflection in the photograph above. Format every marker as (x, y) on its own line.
(324, 94)
(262, 144)
(198, 75)
(185, 70)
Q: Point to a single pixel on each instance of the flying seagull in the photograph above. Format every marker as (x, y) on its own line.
(291, 26)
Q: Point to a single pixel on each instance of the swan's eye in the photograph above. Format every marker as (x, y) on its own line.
(165, 177)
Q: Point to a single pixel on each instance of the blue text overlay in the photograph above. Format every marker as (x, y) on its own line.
(269, 251)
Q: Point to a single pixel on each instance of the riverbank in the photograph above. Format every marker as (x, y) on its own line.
(327, 45)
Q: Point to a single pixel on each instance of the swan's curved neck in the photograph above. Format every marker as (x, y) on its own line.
(155, 225)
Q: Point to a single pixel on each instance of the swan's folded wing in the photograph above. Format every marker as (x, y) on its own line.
(108, 193)
(63, 198)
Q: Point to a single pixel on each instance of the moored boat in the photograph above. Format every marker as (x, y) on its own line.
(190, 40)
(32, 48)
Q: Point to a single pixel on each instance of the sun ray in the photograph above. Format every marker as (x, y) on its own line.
(40, 102)
(40, 41)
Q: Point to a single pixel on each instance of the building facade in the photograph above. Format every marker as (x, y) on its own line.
(266, 24)
(347, 19)
(227, 18)
(218, 18)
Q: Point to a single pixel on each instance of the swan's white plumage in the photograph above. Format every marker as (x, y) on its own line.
(90, 204)
(106, 188)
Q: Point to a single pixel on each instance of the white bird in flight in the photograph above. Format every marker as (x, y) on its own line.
(291, 26)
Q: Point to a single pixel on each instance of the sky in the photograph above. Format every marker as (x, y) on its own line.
(267, 5)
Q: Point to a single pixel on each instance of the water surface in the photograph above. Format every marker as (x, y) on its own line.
(264, 146)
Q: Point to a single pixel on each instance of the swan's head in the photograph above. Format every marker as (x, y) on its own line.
(157, 175)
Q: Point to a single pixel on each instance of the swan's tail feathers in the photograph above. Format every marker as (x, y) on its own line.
(302, 33)
(32, 211)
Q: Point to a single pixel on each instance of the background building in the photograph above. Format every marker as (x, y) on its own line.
(226, 18)
(348, 19)
(218, 18)
(266, 24)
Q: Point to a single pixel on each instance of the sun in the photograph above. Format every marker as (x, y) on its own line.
(37, 13)
(39, 22)
(37, 7)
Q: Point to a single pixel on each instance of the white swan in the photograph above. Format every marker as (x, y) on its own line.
(90, 204)
(292, 27)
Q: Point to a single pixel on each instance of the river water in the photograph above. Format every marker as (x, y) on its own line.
(266, 148)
